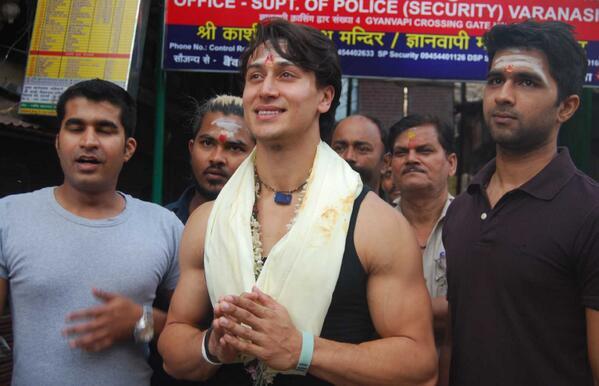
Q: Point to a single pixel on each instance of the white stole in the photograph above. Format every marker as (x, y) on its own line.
(303, 266)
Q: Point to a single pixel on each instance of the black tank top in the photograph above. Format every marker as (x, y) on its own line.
(348, 319)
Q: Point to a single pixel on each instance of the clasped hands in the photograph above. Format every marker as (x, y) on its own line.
(253, 323)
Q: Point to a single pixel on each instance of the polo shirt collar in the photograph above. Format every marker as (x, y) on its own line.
(545, 185)
(181, 206)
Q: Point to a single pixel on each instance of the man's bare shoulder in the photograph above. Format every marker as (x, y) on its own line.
(192, 243)
(200, 215)
(376, 216)
(383, 236)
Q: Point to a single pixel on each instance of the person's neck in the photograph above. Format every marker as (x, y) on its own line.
(375, 183)
(284, 167)
(90, 205)
(423, 210)
(514, 169)
(197, 200)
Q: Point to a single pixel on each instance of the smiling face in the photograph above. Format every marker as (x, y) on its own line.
(419, 162)
(220, 145)
(520, 101)
(91, 145)
(358, 141)
(281, 100)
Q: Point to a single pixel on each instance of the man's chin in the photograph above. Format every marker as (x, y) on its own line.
(209, 192)
(365, 175)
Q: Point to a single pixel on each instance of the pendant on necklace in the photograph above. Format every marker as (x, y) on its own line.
(282, 198)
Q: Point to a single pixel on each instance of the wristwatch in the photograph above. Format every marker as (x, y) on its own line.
(144, 328)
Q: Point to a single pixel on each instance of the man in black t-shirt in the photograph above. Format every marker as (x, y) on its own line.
(523, 242)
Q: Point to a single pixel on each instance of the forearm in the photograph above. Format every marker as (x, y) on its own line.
(159, 317)
(181, 348)
(388, 361)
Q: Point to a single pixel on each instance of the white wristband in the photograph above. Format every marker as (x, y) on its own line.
(205, 348)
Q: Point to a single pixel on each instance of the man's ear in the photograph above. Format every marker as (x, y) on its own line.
(453, 163)
(130, 146)
(190, 145)
(567, 108)
(328, 93)
(387, 159)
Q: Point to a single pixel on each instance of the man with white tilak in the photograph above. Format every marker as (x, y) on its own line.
(311, 278)
(522, 242)
(220, 142)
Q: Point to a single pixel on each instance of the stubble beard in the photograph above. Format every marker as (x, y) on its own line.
(208, 194)
(522, 139)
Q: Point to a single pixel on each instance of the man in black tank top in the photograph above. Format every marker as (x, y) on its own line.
(309, 278)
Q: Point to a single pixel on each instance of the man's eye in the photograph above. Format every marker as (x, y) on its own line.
(527, 83)
(399, 153)
(206, 142)
(338, 148)
(254, 76)
(364, 149)
(105, 129)
(286, 75)
(237, 149)
(494, 81)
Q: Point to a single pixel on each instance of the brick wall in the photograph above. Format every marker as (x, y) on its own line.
(381, 99)
(432, 99)
(384, 99)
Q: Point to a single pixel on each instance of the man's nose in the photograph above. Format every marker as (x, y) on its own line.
(268, 87)
(349, 155)
(412, 156)
(89, 138)
(505, 93)
(217, 156)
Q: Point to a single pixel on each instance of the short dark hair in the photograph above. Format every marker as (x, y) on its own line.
(382, 131)
(445, 133)
(225, 104)
(308, 48)
(99, 90)
(567, 59)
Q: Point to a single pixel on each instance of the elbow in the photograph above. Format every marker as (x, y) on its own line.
(430, 371)
(182, 374)
(173, 371)
(430, 368)
(424, 373)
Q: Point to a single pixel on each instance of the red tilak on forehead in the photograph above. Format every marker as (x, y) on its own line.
(222, 138)
(269, 58)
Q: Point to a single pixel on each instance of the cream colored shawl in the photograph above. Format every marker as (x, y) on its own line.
(303, 266)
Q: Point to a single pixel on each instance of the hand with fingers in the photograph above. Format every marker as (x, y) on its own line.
(217, 345)
(255, 324)
(99, 327)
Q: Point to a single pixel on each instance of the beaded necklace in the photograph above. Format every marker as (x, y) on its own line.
(257, 250)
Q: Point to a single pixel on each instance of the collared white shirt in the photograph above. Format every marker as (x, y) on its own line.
(433, 257)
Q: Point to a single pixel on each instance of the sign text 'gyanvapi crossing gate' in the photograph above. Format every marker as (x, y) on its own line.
(375, 38)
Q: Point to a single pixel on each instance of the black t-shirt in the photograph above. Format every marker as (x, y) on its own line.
(520, 276)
